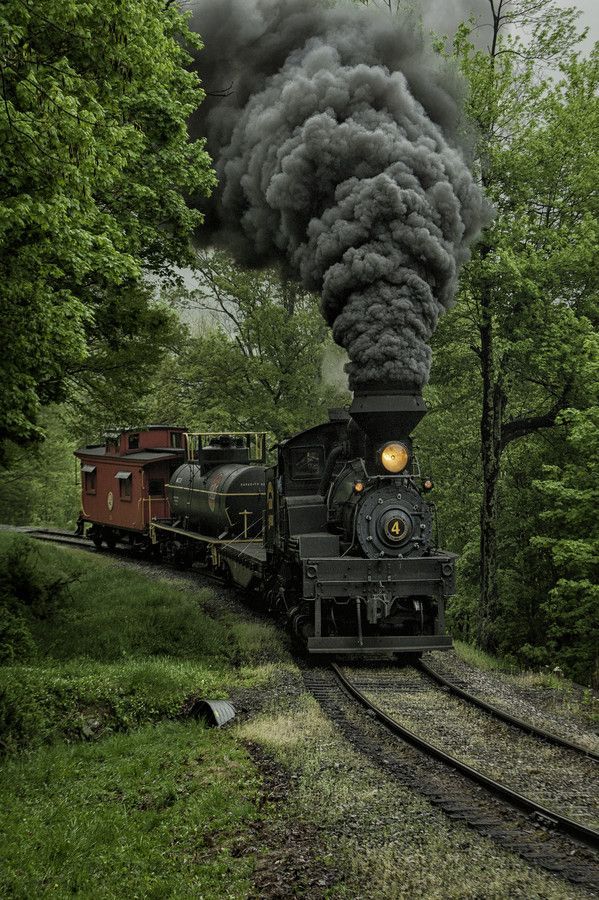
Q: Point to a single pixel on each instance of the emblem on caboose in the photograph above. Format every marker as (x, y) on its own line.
(110, 500)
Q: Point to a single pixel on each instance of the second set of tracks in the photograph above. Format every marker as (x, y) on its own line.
(538, 832)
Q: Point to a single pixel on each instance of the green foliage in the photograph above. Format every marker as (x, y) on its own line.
(41, 483)
(571, 541)
(29, 598)
(256, 358)
(535, 267)
(95, 167)
(132, 333)
(524, 327)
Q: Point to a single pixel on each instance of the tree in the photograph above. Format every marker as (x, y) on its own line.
(531, 283)
(571, 543)
(111, 387)
(96, 165)
(41, 486)
(255, 361)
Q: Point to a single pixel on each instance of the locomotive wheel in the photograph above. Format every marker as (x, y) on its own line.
(184, 560)
(97, 539)
(300, 624)
(110, 541)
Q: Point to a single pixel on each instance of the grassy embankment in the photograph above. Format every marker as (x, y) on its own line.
(106, 788)
(109, 790)
(559, 694)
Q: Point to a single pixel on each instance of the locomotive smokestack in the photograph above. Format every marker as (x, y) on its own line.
(386, 411)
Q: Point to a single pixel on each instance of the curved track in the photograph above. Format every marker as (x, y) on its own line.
(498, 713)
(536, 837)
(548, 817)
(69, 539)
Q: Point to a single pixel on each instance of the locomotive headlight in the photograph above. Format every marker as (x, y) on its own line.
(395, 457)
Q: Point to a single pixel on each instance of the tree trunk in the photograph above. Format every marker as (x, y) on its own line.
(490, 426)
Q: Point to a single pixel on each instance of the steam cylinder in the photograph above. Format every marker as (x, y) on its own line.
(228, 502)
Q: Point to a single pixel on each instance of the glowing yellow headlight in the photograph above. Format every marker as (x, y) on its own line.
(395, 457)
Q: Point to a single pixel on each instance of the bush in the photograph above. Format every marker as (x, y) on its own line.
(16, 640)
(28, 594)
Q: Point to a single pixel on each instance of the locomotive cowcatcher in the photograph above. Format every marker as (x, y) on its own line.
(336, 536)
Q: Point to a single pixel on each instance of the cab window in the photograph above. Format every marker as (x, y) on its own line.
(307, 462)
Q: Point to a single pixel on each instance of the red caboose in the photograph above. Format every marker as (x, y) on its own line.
(123, 481)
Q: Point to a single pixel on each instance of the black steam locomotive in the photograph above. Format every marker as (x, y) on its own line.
(337, 535)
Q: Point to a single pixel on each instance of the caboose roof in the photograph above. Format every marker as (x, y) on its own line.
(137, 456)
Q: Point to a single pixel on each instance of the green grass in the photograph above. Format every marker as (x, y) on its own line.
(120, 650)
(147, 814)
(108, 612)
(107, 789)
(561, 694)
(85, 700)
(481, 660)
(369, 836)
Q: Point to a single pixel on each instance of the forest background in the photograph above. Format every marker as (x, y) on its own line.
(102, 330)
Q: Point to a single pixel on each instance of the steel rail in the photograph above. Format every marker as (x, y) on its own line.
(58, 537)
(70, 540)
(545, 816)
(498, 713)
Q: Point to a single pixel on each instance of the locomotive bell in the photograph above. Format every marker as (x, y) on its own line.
(386, 412)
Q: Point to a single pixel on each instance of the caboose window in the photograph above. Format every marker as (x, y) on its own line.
(156, 487)
(124, 480)
(133, 441)
(89, 479)
(176, 439)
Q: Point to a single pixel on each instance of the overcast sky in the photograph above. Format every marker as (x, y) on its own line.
(442, 16)
(589, 18)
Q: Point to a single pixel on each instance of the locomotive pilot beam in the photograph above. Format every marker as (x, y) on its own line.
(336, 535)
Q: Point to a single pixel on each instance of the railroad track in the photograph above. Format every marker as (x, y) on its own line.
(540, 828)
(546, 838)
(550, 817)
(58, 537)
(497, 713)
(69, 539)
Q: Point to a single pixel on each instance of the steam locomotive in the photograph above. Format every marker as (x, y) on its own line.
(336, 536)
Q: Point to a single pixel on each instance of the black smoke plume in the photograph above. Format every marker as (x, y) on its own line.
(334, 136)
